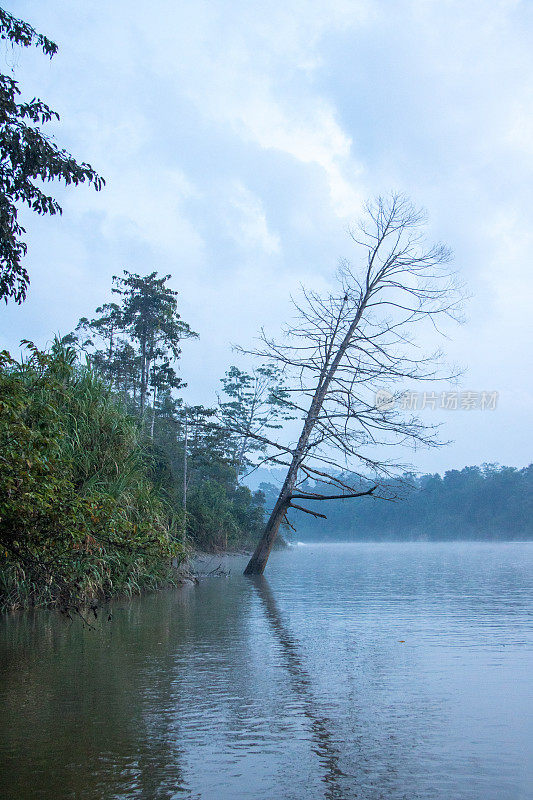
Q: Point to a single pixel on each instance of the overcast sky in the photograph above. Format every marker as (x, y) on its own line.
(238, 140)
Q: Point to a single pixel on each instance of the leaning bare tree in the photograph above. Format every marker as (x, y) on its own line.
(346, 349)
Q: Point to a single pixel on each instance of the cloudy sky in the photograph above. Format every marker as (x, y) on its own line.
(239, 139)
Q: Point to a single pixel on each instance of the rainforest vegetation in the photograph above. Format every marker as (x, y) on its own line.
(106, 476)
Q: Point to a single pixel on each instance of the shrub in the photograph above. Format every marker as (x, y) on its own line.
(80, 518)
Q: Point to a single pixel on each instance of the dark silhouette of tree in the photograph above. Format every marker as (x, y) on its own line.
(104, 327)
(150, 317)
(27, 155)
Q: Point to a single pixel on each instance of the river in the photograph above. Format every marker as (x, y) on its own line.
(350, 671)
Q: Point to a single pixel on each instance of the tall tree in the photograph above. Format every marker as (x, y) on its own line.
(150, 317)
(103, 328)
(258, 402)
(163, 379)
(346, 347)
(27, 155)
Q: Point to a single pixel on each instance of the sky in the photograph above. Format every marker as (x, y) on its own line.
(240, 140)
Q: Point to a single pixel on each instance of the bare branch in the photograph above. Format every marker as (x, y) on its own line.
(345, 346)
(307, 511)
(316, 496)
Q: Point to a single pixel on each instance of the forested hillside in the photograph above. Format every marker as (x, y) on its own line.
(486, 503)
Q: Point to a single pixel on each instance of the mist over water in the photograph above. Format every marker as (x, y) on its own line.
(350, 671)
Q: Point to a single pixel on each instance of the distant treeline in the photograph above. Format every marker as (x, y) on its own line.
(484, 503)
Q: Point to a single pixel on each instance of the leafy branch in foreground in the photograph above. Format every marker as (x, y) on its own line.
(27, 155)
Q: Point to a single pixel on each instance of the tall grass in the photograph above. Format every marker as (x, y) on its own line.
(80, 518)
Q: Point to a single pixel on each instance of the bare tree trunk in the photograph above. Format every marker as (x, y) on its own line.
(342, 350)
(185, 465)
(144, 376)
(242, 451)
(246, 437)
(152, 425)
(110, 350)
(257, 563)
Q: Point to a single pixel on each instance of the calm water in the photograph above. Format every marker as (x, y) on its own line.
(351, 671)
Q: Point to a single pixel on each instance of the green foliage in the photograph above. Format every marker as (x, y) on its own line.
(134, 343)
(27, 155)
(257, 403)
(220, 513)
(79, 516)
(99, 491)
(134, 346)
(222, 516)
(19, 32)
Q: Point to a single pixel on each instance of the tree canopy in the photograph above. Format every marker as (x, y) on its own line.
(28, 157)
(257, 403)
(137, 342)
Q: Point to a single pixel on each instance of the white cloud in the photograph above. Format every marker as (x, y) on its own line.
(250, 70)
(238, 138)
(511, 270)
(248, 225)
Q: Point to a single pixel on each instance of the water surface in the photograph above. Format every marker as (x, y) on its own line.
(351, 671)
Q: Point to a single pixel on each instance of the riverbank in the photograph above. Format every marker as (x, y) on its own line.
(91, 503)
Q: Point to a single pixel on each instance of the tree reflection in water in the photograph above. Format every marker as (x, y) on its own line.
(325, 745)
